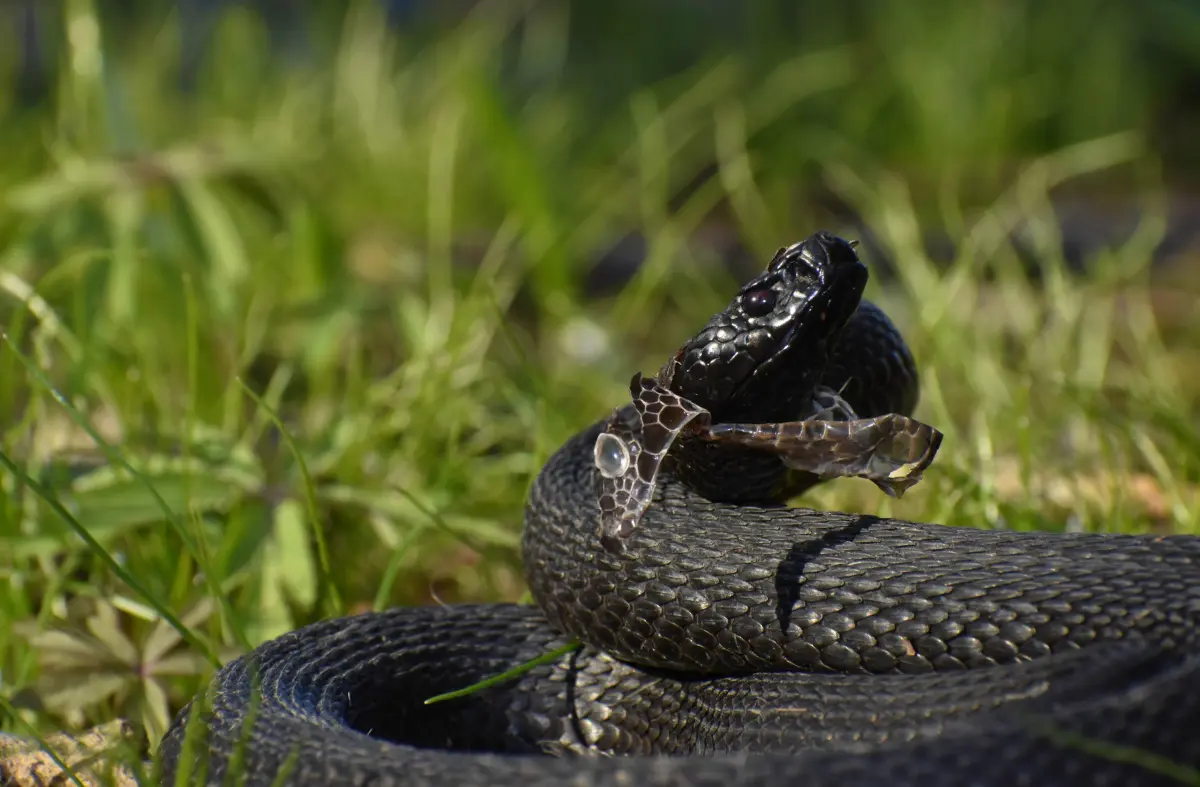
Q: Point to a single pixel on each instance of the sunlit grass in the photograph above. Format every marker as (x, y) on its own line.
(357, 303)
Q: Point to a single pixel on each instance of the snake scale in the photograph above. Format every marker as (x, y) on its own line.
(736, 641)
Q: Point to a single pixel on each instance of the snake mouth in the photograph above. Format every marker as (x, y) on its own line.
(826, 311)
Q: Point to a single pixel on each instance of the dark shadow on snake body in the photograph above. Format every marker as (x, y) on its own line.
(789, 575)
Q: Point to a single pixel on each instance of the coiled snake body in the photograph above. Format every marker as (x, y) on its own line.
(734, 641)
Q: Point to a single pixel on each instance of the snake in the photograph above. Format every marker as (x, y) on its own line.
(732, 637)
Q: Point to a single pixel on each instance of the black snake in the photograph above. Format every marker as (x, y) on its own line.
(735, 641)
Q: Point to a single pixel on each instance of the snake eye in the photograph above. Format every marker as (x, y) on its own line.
(758, 303)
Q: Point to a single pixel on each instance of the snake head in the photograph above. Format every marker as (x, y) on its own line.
(762, 357)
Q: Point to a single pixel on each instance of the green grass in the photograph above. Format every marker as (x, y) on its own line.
(296, 345)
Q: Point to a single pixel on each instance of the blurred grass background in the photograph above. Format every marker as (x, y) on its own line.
(297, 298)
